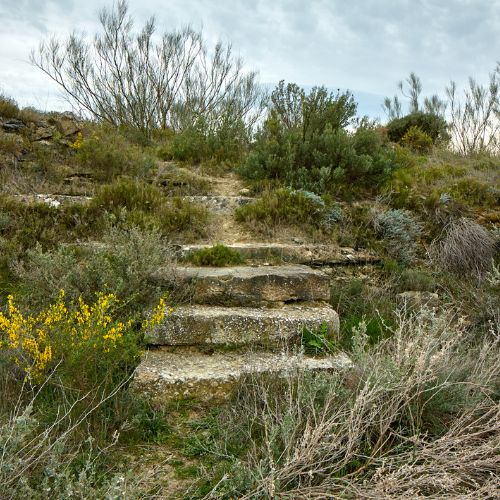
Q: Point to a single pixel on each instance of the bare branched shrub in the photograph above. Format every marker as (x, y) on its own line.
(417, 416)
(464, 247)
(136, 79)
(475, 120)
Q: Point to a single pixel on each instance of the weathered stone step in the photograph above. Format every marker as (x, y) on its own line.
(54, 200)
(316, 254)
(220, 204)
(252, 286)
(166, 376)
(237, 326)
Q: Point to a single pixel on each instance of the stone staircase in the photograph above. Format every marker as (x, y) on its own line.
(245, 320)
(242, 320)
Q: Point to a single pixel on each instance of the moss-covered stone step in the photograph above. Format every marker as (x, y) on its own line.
(252, 286)
(319, 254)
(237, 326)
(165, 376)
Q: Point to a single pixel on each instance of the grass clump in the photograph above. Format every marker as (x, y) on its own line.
(8, 107)
(217, 256)
(284, 207)
(465, 247)
(107, 153)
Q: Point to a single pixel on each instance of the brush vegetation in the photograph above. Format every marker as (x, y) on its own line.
(416, 415)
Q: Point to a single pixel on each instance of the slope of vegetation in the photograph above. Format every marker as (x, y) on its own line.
(417, 415)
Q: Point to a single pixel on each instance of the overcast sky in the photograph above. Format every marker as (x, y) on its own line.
(362, 45)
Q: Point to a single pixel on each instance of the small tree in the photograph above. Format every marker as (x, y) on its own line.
(412, 91)
(475, 121)
(149, 82)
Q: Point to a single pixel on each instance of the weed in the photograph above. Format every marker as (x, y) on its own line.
(217, 256)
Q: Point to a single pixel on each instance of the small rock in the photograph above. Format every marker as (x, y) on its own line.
(43, 132)
(245, 192)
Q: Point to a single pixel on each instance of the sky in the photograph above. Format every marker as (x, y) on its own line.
(365, 46)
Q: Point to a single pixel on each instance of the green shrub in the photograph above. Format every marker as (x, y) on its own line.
(123, 263)
(217, 256)
(136, 203)
(417, 140)
(400, 231)
(284, 207)
(305, 143)
(107, 154)
(38, 222)
(129, 194)
(8, 107)
(200, 142)
(432, 125)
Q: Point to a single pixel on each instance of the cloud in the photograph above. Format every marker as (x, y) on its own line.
(364, 45)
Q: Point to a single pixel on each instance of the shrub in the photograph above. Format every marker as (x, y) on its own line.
(31, 223)
(10, 144)
(305, 143)
(135, 203)
(464, 248)
(8, 107)
(123, 263)
(417, 140)
(83, 336)
(432, 125)
(107, 154)
(218, 256)
(400, 231)
(284, 207)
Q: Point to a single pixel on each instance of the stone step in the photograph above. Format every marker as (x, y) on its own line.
(53, 200)
(164, 376)
(251, 286)
(238, 326)
(220, 204)
(314, 254)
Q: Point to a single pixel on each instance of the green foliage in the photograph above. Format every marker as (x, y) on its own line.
(400, 231)
(202, 142)
(107, 153)
(318, 341)
(136, 203)
(8, 107)
(123, 264)
(356, 301)
(431, 124)
(305, 144)
(31, 223)
(284, 207)
(417, 140)
(217, 256)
